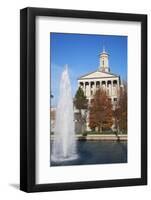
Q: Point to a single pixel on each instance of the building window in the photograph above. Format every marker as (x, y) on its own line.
(92, 84)
(97, 84)
(103, 83)
(115, 99)
(114, 83)
(108, 83)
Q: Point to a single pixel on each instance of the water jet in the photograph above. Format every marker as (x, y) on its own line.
(64, 145)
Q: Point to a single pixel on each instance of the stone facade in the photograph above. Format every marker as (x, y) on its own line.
(110, 84)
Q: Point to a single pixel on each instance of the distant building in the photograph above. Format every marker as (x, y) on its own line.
(53, 118)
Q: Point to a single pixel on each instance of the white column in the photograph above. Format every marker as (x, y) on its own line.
(100, 84)
(84, 88)
(112, 88)
(104, 85)
(116, 93)
(94, 86)
(89, 89)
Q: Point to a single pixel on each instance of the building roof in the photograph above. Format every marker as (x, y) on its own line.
(98, 74)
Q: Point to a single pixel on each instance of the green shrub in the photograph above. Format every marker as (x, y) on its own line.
(84, 133)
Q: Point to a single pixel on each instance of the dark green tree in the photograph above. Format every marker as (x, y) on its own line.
(81, 104)
(80, 100)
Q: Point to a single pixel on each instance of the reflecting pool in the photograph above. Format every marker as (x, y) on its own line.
(97, 152)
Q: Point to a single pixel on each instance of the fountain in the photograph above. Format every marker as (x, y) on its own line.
(64, 143)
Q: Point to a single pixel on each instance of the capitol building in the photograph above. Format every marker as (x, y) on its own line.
(101, 78)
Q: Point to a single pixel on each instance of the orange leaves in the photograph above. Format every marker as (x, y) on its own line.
(100, 115)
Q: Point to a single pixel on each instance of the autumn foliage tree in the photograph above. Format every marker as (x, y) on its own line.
(120, 111)
(100, 111)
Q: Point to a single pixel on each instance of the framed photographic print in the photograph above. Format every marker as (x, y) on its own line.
(83, 99)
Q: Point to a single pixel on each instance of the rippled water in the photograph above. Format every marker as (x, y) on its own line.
(97, 152)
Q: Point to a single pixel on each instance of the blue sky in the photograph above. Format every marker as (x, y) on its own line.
(81, 53)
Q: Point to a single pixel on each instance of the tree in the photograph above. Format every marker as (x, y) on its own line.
(100, 111)
(81, 104)
(120, 111)
(80, 100)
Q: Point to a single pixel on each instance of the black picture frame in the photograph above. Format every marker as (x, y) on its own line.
(28, 99)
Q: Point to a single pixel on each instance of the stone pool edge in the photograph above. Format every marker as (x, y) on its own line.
(102, 137)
